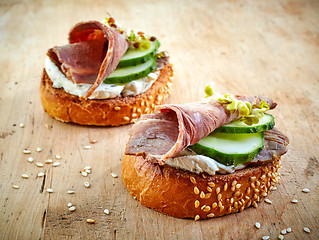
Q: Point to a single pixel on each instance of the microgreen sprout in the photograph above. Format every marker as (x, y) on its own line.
(250, 113)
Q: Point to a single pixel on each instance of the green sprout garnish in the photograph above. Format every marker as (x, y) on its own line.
(250, 113)
(209, 91)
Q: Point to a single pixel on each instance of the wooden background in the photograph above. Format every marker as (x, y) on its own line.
(268, 48)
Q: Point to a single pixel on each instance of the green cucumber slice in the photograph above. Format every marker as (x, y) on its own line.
(128, 74)
(230, 149)
(265, 123)
(136, 56)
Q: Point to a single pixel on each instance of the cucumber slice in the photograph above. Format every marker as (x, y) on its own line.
(230, 149)
(128, 74)
(136, 56)
(265, 123)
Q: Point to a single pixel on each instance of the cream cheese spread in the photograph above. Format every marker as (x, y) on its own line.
(104, 91)
(190, 161)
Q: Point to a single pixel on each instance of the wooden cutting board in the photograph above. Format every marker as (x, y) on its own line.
(268, 48)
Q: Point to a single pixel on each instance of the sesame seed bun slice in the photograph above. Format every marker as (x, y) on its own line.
(66, 107)
(183, 194)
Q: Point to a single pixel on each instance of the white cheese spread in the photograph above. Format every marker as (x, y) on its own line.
(104, 91)
(190, 161)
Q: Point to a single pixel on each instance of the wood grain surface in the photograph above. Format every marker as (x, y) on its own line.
(268, 48)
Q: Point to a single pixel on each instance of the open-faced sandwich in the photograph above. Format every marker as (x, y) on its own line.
(106, 75)
(205, 159)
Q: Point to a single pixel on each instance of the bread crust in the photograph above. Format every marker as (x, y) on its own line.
(183, 194)
(103, 112)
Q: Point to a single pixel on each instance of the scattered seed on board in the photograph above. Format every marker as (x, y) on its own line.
(306, 190)
(30, 159)
(106, 211)
(39, 164)
(49, 190)
(281, 237)
(90, 220)
(21, 125)
(88, 167)
(48, 161)
(87, 147)
(294, 201)
(26, 151)
(15, 186)
(268, 201)
(70, 192)
(57, 156)
(93, 141)
(87, 184)
(84, 174)
(284, 232)
(257, 225)
(72, 208)
(56, 164)
(25, 175)
(40, 174)
(265, 237)
(114, 175)
(307, 230)
(69, 204)
(288, 230)
(87, 170)
(39, 149)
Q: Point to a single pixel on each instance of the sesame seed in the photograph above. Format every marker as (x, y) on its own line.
(284, 231)
(69, 204)
(126, 118)
(90, 221)
(106, 211)
(134, 115)
(30, 159)
(217, 190)
(202, 195)
(193, 180)
(57, 156)
(281, 237)
(306, 190)
(268, 201)
(225, 186)
(238, 186)
(196, 190)
(257, 225)
(87, 170)
(234, 183)
(25, 175)
(252, 185)
(40, 174)
(255, 204)
(232, 188)
(21, 125)
(236, 205)
(211, 184)
(202, 208)
(72, 208)
(256, 190)
(274, 188)
(139, 110)
(114, 175)
(117, 108)
(209, 189)
(207, 209)
(15, 186)
(221, 208)
(229, 209)
(248, 190)
(196, 217)
(39, 149)
(208, 195)
(264, 194)
(257, 183)
(294, 201)
(70, 191)
(87, 184)
(214, 205)
(197, 204)
(84, 174)
(39, 164)
(210, 215)
(307, 230)
(49, 190)
(48, 161)
(25, 151)
(288, 230)
(93, 141)
(87, 147)
(231, 200)
(56, 164)
(88, 167)
(219, 197)
(236, 193)
(252, 178)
